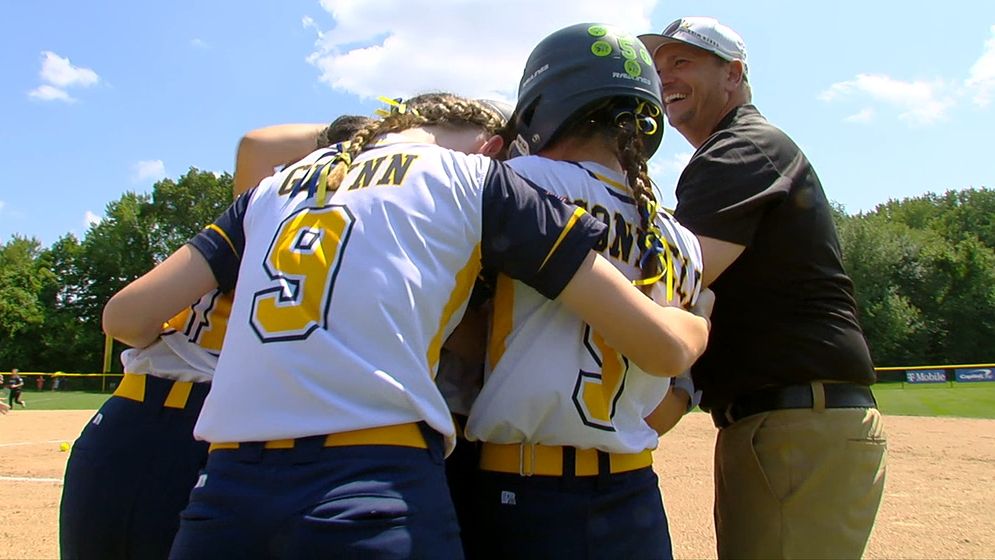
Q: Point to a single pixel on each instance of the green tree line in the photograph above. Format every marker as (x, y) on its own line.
(51, 299)
(923, 270)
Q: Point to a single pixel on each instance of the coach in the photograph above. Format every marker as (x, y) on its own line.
(800, 454)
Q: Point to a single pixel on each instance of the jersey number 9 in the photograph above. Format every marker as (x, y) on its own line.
(302, 261)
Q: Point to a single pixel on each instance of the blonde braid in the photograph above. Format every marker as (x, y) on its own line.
(630, 155)
(432, 109)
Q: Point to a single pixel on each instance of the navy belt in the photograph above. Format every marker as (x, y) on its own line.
(838, 395)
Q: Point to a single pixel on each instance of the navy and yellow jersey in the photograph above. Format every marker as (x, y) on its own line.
(188, 348)
(549, 378)
(341, 308)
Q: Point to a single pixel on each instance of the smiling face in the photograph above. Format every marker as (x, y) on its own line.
(698, 89)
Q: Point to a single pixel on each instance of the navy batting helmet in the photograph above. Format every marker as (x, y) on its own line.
(581, 65)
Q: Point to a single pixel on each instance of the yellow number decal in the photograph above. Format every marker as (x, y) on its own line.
(204, 323)
(597, 393)
(303, 261)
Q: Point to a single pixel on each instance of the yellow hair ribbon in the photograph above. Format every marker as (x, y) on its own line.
(322, 184)
(656, 246)
(394, 106)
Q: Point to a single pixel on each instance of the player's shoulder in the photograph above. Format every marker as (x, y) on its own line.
(539, 165)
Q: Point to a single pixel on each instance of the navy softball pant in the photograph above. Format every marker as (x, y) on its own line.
(131, 470)
(311, 500)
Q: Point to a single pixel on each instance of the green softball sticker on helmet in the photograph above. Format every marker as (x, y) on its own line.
(597, 31)
(601, 48)
(633, 68)
(645, 55)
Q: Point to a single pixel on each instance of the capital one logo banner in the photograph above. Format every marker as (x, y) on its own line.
(975, 374)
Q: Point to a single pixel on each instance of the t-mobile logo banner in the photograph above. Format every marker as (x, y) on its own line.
(926, 376)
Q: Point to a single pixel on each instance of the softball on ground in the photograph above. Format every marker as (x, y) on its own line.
(64, 446)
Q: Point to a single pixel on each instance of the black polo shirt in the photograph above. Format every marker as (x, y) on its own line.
(784, 310)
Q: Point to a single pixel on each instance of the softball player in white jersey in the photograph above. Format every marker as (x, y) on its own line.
(131, 470)
(344, 305)
(566, 455)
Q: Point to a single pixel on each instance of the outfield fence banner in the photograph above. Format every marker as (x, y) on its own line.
(926, 376)
(974, 375)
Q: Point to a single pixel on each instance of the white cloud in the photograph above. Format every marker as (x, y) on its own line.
(865, 115)
(198, 43)
(918, 102)
(981, 79)
(90, 219)
(394, 48)
(59, 72)
(673, 166)
(149, 170)
(46, 92)
(57, 75)
(665, 172)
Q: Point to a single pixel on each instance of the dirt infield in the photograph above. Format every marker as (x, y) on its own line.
(939, 497)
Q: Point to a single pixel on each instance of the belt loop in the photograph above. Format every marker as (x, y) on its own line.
(604, 469)
(249, 452)
(727, 414)
(818, 396)
(434, 441)
(306, 450)
(526, 467)
(569, 460)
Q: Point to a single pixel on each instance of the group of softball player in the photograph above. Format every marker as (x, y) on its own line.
(340, 283)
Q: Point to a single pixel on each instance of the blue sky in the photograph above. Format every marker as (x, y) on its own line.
(889, 99)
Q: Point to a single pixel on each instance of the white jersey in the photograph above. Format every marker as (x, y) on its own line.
(341, 309)
(188, 348)
(551, 380)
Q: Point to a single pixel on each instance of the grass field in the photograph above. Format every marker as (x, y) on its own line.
(963, 400)
(61, 400)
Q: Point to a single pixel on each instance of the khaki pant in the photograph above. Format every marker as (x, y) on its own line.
(799, 483)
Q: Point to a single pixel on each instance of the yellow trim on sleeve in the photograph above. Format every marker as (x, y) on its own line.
(502, 319)
(613, 183)
(461, 292)
(221, 232)
(578, 212)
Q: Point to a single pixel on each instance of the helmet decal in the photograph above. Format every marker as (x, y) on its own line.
(580, 66)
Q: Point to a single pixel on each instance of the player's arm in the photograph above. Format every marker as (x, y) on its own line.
(669, 412)
(263, 149)
(537, 238)
(663, 341)
(135, 314)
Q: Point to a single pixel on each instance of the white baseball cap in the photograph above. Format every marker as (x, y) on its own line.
(702, 32)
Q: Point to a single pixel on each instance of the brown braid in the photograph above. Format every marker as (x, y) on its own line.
(430, 109)
(613, 120)
(629, 142)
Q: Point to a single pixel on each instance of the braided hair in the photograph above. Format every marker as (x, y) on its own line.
(617, 121)
(629, 143)
(430, 109)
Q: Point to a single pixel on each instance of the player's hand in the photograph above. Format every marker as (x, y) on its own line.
(4, 407)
